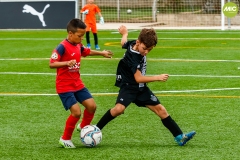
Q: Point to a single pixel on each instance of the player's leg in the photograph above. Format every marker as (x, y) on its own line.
(85, 98)
(171, 125)
(166, 119)
(96, 41)
(110, 115)
(69, 103)
(125, 97)
(88, 35)
(94, 31)
(88, 39)
(89, 111)
(148, 99)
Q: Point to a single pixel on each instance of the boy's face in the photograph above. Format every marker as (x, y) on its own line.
(90, 1)
(76, 37)
(142, 49)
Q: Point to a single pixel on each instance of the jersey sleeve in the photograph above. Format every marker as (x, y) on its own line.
(125, 45)
(83, 9)
(132, 59)
(84, 51)
(97, 9)
(57, 53)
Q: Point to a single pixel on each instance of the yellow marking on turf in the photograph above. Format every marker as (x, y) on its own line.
(179, 47)
(112, 44)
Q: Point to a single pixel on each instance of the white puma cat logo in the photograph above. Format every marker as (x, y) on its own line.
(29, 9)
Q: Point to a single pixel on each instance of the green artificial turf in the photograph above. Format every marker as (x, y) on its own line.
(201, 94)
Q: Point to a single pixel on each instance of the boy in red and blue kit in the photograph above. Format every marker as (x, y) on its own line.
(66, 57)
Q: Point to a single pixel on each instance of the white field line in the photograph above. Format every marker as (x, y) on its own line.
(88, 74)
(198, 90)
(167, 32)
(131, 30)
(128, 31)
(58, 39)
(102, 94)
(149, 59)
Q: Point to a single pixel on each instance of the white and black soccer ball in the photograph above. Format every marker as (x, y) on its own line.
(90, 135)
(129, 11)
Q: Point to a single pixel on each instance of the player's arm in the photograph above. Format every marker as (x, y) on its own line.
(100, 14)
(145, 79)
(101, 18)
(124, 32)
(84, 10)
(57, 64)
(104, 53)
(56, 56)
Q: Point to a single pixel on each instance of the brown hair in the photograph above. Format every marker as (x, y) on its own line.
(148, 37)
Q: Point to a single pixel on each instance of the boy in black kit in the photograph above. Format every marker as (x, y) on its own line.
(132, 81)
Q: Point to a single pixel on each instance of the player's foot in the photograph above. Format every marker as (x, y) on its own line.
(78, 128)
(66, 143)
(89, 45)
(97, 47)
(182, 139)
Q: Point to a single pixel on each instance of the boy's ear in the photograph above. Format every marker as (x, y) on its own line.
(137, 42)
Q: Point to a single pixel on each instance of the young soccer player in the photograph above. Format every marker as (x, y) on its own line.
(66, 57)
(132, 82)
(90, 10)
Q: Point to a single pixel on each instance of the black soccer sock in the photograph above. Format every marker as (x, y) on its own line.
(95, 38)
(87, 37)
(172, 126)
(107, 117)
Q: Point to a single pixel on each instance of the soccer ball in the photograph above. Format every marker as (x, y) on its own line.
(129, 11)
(91, 135)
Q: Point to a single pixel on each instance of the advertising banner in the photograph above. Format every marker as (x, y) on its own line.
(36, 14)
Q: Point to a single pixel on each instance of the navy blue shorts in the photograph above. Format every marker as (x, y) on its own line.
(128, 94)
(70, 98)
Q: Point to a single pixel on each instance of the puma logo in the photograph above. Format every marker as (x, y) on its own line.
(30, 9)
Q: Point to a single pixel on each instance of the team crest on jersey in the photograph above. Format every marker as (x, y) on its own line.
(153, 98)
(54, 55)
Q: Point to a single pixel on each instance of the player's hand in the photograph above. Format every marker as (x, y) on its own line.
(123, 30)
(85, 12)
(71, 63)
(107, 53)
(162, 77)
(101, 20)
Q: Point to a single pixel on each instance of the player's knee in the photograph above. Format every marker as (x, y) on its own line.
(90, 105)
(92, 108)
(117, 110)
(76, 114)
(75, 110)
(161, 111)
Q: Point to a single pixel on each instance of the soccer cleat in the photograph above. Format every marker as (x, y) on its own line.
(182, 139)
(66, 143)
(89, 45)
(78, 128)
(97, 47)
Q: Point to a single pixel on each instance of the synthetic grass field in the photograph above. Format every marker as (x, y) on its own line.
(201, 94)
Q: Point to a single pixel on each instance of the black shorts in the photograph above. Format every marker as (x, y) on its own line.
(128, 94)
